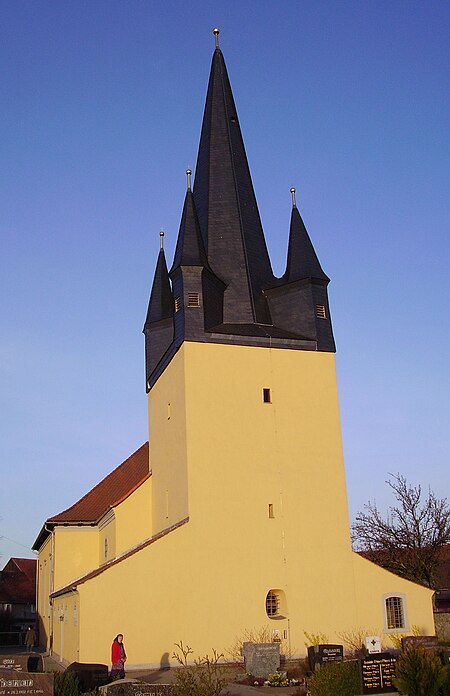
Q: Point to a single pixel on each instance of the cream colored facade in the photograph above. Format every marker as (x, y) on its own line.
(246, 496)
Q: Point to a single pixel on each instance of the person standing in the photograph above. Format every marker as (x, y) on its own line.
(30, 638)
(118, 657)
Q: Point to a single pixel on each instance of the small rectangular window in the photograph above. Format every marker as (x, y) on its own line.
(193, 299)
(266, 396)
(321, 312)
(177, 304)
(271, 515)
(394, 612)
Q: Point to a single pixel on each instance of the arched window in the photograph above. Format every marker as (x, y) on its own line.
(395, 612)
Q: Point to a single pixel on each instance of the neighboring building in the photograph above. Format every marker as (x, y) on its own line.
(236, 516)
(18, 595)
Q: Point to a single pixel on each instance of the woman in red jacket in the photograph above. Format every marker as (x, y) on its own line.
(118, 657)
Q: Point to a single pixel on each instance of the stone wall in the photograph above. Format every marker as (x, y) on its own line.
(442, 624)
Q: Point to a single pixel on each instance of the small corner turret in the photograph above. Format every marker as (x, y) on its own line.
(221, 288)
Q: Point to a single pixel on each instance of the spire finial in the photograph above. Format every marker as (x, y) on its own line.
(216, 32)
(294, 204)
(161, 239)
(188, 174)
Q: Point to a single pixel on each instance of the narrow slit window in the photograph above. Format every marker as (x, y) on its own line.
(321, 312)
(177, 304)
(193, 299)
(271, 515)
(266, 396)
(168, 411)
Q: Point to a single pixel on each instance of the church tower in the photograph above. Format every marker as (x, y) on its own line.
(243, 411)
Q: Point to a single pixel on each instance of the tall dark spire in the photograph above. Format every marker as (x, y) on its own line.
(302, 261)
(158, 327)
(226, 205)
(223, 289)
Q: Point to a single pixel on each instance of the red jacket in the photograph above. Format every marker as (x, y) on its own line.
(116, 652)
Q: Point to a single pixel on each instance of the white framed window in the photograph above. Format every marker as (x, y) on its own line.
(395, 618)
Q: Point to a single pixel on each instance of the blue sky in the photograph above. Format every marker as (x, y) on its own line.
(101, 113)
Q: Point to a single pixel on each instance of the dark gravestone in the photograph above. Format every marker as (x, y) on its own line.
(324, 652)
(133, 688)
(27, 662)
(427, 642)
(261, 659)
(376, 674)
(13, 683)
(90, 676)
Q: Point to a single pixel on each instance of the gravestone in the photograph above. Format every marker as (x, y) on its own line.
(135, 688)
(376, 673)
(13, 682)
(90, 676)
(25, 662)
(427, 642)
(324, 652)
(261, 659)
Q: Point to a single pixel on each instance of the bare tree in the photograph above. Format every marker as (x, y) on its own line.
(408, 542)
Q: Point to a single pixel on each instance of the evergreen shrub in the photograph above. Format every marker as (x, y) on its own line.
(419, 672)
(66, 684)
(335, 679)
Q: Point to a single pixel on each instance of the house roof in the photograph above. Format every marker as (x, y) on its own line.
(18, 581)
(114, 488)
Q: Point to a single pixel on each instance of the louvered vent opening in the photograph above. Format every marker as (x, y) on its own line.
(193, 299)
(321, 312)
(177, 304)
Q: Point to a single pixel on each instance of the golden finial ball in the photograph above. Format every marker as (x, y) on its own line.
(188, 172)
(292, 189)
(216, 31)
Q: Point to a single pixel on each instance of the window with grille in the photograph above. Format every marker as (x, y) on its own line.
(177, 304)
(272, 603)
(321, 312)
(395, 616)
(193, 299)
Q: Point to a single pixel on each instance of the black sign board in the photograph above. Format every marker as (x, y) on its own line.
(13, 683)
(376, 673)
(121, 688)
(27, 662)
(324, 652)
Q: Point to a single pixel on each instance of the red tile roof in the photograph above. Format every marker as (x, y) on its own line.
(18, 581)
(110, 491)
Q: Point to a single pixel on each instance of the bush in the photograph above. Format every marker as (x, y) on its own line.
(419, 673)
(66, 684)
(206, 677)
(335, 679)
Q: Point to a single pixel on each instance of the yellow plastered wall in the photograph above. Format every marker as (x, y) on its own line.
(168, 453)
(134, 518)
(44, 589)
(221, 455)
(76, 553)
(107, 538)
(66, 627)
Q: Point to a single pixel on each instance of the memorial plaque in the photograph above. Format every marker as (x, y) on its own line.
(128, 688)
(26, 662)
(324, 652)
(261, 659)
(427, 642)
(13, 683)
(376, 674)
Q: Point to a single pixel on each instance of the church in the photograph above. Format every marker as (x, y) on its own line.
(233, 516)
